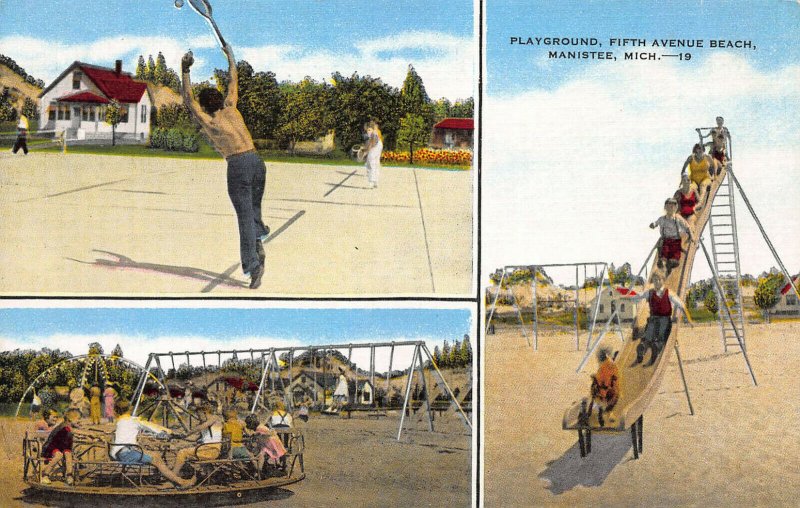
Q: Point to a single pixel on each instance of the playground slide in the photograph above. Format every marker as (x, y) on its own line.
(639, 384)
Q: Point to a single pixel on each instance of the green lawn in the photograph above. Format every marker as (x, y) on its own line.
(338, 158)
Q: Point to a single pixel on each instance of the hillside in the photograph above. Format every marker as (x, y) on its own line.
(20, 89)
(162, 95)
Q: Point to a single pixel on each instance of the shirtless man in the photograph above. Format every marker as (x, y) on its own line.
(223, 125)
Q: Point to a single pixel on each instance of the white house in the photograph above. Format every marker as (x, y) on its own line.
(76, 102)
(611, 299)
(787, 302)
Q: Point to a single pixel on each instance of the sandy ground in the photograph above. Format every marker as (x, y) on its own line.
(355, 462)
(105, 225)
(739, 449)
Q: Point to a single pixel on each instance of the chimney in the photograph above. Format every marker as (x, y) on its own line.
(118, 67)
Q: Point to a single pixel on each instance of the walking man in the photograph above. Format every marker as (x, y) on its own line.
(223, 125)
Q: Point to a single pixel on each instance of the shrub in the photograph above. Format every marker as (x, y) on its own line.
(266, 144)
(191, 142)
(158, 138)
(174, 140)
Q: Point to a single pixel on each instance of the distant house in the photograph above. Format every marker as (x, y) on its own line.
(453, 133)
(307, 384)
(611, 299)
(787, 303)
(77, 100)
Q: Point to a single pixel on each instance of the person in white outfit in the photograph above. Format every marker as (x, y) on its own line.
(374, 148)
(341, 394)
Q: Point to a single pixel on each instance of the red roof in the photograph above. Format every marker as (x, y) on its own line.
(84, 97)
(115, 86)
(625, 291)
(466, 124)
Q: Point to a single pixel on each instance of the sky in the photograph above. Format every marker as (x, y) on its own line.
(579, 155)
(292, 38)
(140, 331)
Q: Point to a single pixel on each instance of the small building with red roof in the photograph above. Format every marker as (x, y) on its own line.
(76, 102)
(612, 299)
(453, 134)
(787, 300)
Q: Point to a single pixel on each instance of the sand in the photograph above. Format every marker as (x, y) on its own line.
(355, 462)
(739, 449)
(105, 225)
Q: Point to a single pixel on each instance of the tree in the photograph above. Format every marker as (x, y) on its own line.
(441, 109)
(150, 69)
(437, 355)
(117, 351)
(358, 99)
(710, 302)
(414, 99)
(466, 351)
(160, 71)
(463, 109)
(766, 293)
(445, 355)
(141, 69)
(412, 132)
(306, 114)
(95, 348)
(29, 109)
(113, 117)
(455, 354)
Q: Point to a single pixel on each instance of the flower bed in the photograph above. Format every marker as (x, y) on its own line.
(433, 157)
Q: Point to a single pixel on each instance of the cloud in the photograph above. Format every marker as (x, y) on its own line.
(578, 172)
(444, 61)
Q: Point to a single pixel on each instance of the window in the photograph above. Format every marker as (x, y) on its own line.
(84, 114)
(91, 113)
(622, 307)
(61, 112)
(791, 299)
(51, 111)
(602, 308)
(123, 113)
(144, 114)
(67, 115)
(76, 80)
(101, 113)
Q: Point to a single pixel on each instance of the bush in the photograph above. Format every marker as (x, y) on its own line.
(158, 137)
(174, 140)
(191, 142)
(266, 144)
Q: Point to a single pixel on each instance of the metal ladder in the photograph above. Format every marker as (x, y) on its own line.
(725, 254)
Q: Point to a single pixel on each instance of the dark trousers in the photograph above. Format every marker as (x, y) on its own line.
(20, 143)
(247, 177)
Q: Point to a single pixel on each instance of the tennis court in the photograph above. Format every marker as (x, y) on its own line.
(109, 225)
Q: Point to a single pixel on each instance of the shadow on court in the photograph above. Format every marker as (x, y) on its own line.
(119, 261)
(570, 470)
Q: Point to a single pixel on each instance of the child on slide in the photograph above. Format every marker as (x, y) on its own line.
(671, 227)
(605, 385)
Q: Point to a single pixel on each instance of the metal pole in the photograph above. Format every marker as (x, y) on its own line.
(519, 316)
(291, 358)
(389, 374)
(763, 232)
(727, 312)
(577, 302)
(137, 394)
(598, 294)
(425, 387)
(535, 313)
(408, 393)
(683, 378)
(447, 387)
(494, 302)
(597, 342)
(372, 373)
(261, 384)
